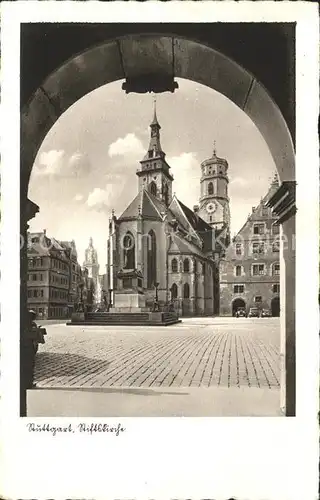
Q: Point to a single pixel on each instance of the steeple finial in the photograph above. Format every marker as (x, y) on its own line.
(155, 119)
(214, 148)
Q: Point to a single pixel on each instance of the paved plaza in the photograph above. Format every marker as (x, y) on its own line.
(199, 352)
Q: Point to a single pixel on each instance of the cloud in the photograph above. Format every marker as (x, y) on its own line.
(50, 163)
(103, 200)
(186, 173)
(58, 163)
(78, 197)
(130, 145)
(239, 181)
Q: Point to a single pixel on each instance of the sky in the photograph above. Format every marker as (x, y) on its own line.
(86, 166)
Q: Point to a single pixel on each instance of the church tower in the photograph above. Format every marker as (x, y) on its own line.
(155, 172)
(91, 261)
(214, 199)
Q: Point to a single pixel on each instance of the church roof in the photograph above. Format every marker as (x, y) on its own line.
(196, 222)
(181, 245)
(145, 204)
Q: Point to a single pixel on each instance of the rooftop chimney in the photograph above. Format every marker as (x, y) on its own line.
(196, 208)
(45, 232)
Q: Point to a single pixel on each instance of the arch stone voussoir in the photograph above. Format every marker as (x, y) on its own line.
(202, 64)
(83, 74)
(37, 118)
(269, 120)
(146, 54)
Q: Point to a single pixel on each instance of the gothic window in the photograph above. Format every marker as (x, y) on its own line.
(128, 251)
(152, 259)
(174, 291)
(186, 266)
(174, 266)
(186, 291)
(153, 188)
(210, 188)
(165, 194)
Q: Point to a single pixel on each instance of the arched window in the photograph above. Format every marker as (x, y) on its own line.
(152, 260)
(166, 194)
(174, 291)
(174, 266)
(186, 291)
(186, 265)
(210, 188)
(153, 188)
(128, 251)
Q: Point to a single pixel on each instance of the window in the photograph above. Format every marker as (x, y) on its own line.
(276, 288)
(276, 246)
(238, 288)
(265, 211)
(258, 299)
(258, 228)
(238, 271)
(257, 269)
(174, 266)
(238, 249)
(153, 188)
(186, 266)
(275, 229)
(150, 154)
(174, 291)
(210, 188)
(152, 259)
(128, 251)
(33, 277)
(203, 269)
(186, 291)
(276, 269)
(258, 247)
(210, 218)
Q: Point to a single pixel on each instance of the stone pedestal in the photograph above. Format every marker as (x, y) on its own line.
(128, 301)
(129, 296)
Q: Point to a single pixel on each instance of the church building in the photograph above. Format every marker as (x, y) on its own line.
(175, 250)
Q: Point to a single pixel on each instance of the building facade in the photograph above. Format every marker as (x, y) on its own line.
(52, 279)
(250, 270)
(171, 246)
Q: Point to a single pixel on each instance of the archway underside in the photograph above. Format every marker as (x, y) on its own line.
(150, 63)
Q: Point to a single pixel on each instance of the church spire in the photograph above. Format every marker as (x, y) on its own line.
(155, 119)
(154, 149)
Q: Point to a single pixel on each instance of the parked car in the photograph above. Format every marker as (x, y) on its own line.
(241, 312)
(254, 312)
(265, 313)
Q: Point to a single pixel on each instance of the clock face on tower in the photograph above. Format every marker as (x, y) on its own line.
(211, 207)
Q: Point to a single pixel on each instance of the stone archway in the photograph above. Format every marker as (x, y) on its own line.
(236, 304)
(151, 62)
(275, 306)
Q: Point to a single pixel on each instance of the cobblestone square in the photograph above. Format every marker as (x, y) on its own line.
(199, 352)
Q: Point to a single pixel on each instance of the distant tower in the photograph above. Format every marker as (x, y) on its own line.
(214, 199)
(91, 261)
(155, 172)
